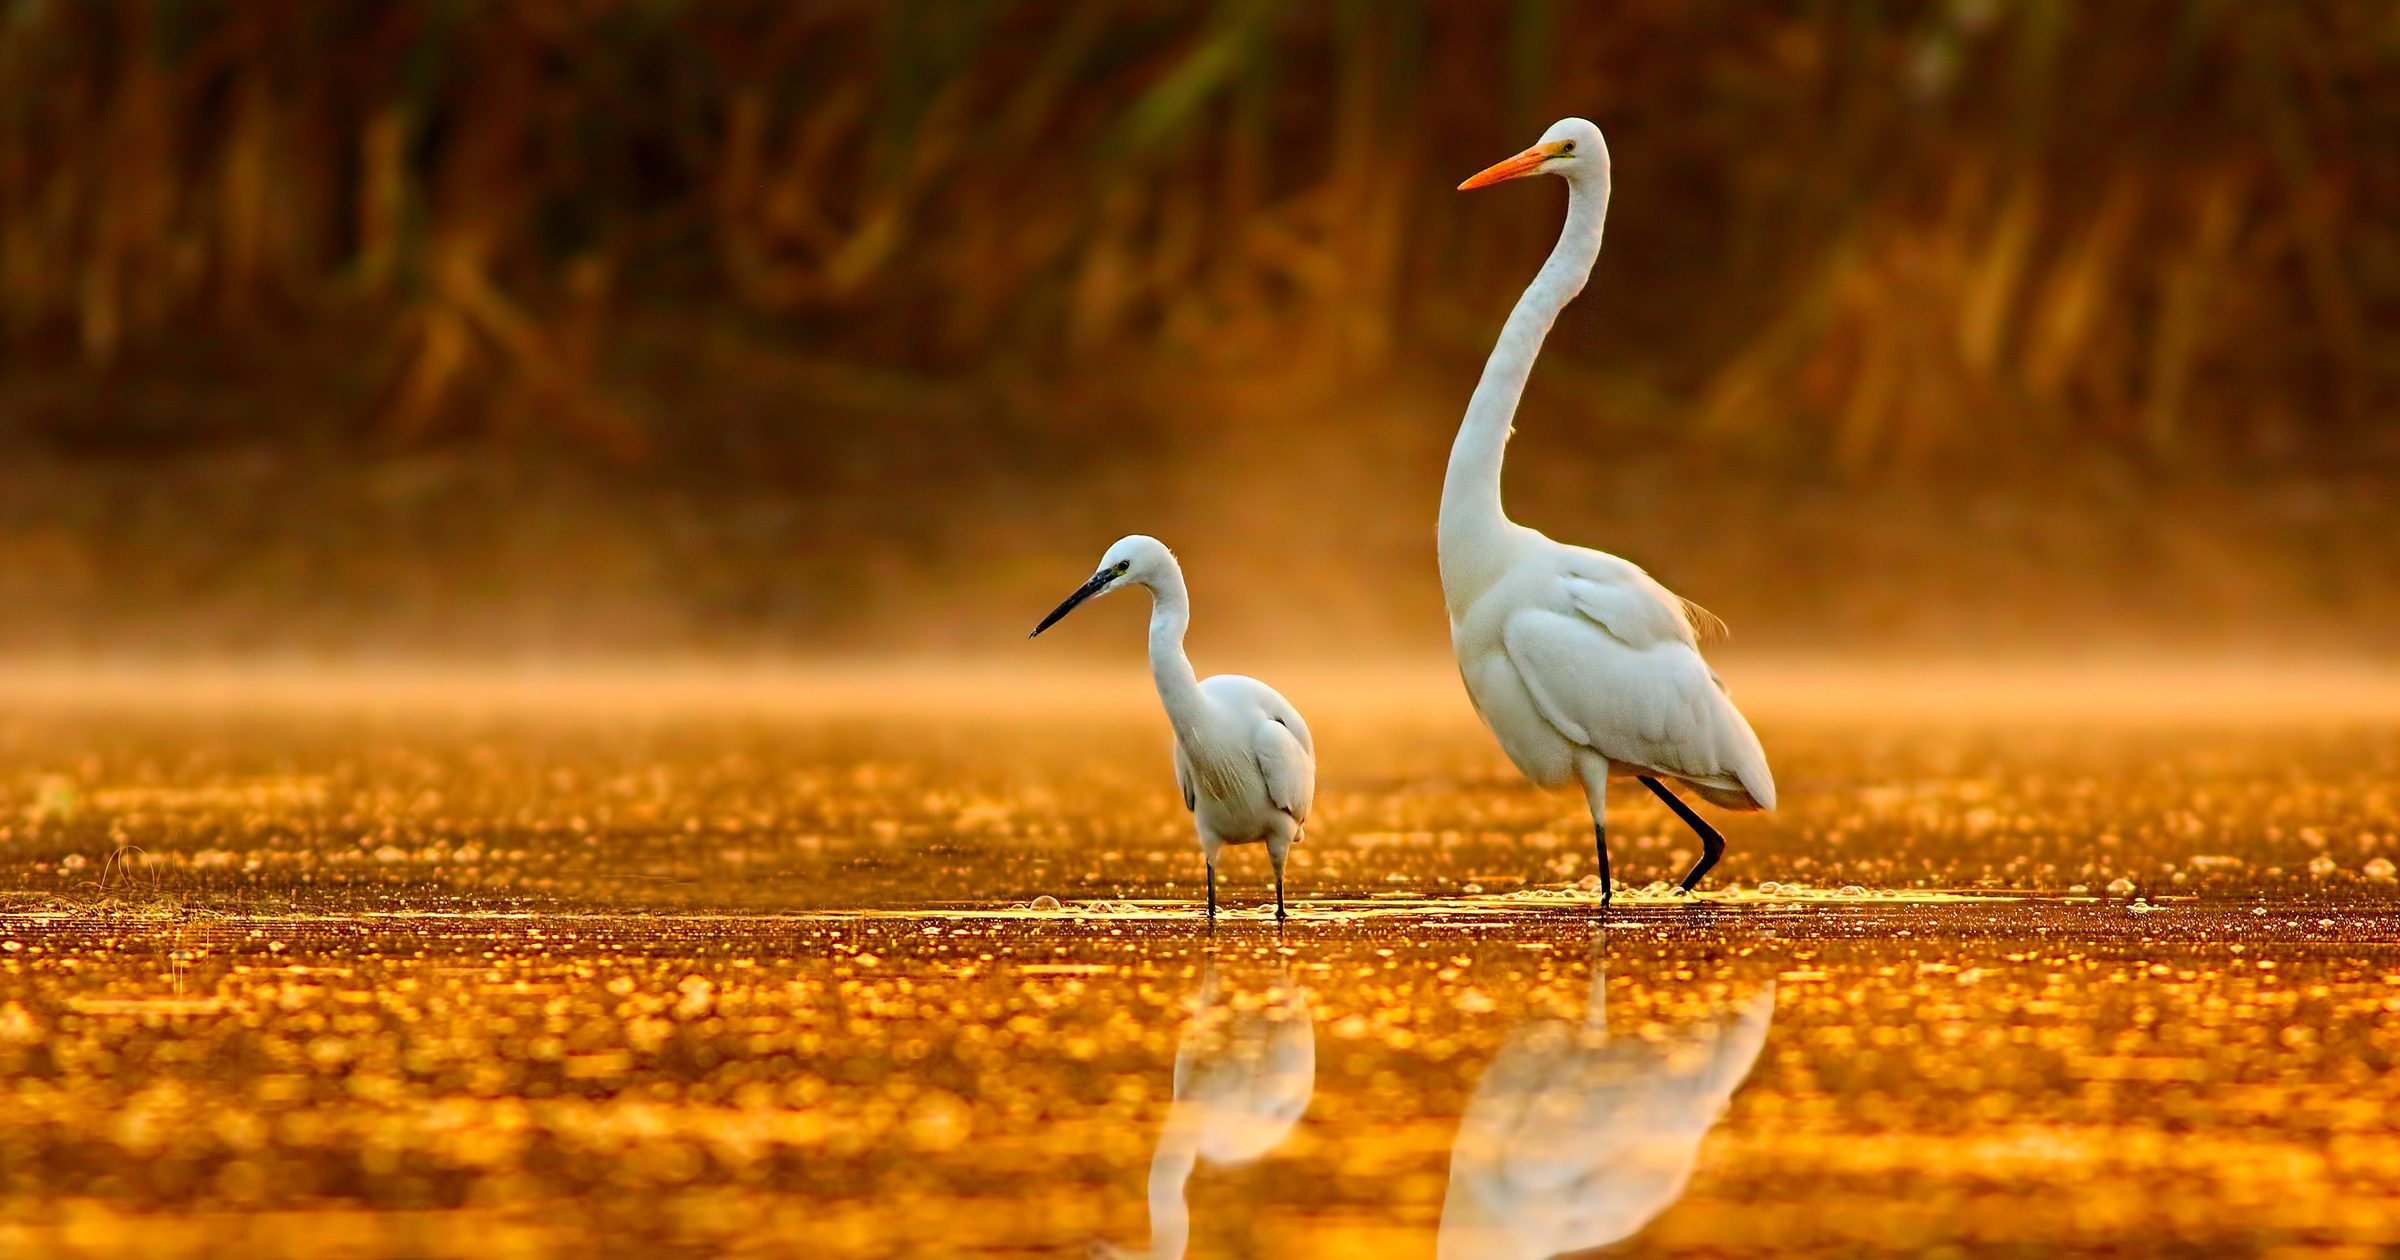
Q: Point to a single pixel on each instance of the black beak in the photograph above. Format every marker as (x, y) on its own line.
(1098, 583)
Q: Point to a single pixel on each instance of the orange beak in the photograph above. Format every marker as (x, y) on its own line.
(1517, 167)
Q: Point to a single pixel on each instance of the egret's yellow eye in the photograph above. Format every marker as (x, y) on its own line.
(1123, 565)
(1565, 147)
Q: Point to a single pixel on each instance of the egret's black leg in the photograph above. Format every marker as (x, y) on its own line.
(1712, 845)
(1279, 892)
(1212, 890)
(1592, 768)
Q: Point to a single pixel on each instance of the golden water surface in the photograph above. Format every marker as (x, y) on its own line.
(769, 968)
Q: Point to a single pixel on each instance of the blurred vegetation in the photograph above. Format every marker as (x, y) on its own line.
(1875, 232)
(839, 244)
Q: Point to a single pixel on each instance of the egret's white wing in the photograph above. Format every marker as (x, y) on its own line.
(1271, 703)
(1656, 707)
(1629, 603)
(1289, 766)
(1285, 751)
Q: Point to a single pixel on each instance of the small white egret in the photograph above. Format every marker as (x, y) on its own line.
(1243, 757)
(1582, 665)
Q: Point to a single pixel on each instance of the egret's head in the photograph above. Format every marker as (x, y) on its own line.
(1135, 560)
(1572, 150)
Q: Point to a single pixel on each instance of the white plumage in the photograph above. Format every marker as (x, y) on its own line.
(1583, 666)
(1244, 759)
(1279, 751)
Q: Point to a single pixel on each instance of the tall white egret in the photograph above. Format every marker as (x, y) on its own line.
(1243, 757)
(1583, 665)
(1575, 1140)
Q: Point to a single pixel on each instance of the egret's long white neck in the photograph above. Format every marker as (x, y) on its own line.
(1473, 528)
(1170, 668)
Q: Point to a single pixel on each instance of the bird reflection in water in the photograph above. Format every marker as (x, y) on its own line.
(1244, 1074)
(1576, 1139)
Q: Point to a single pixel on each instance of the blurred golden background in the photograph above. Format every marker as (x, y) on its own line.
(634, 325)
